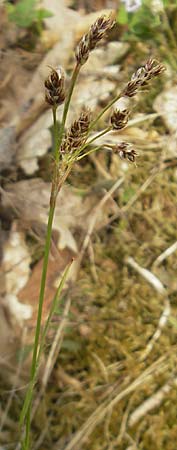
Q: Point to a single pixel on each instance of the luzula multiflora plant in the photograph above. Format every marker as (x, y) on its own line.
(70, 146)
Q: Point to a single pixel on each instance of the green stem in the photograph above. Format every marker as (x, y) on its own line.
(90, 142)
(67, 101)
(89, 152)
(98, 135)
(168, 30)
(26, 410)
(53, 307)
(55, 135)
(117, 97)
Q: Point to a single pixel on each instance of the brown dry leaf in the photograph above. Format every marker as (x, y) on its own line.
(30, 293)
(7, 147)
(59, 55)
(30, 200)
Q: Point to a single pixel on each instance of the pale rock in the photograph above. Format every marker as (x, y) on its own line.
(18, 310)
(166, 105)
(35, 143)
(16, 262)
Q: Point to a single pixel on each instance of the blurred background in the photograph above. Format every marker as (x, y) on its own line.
(108, 376)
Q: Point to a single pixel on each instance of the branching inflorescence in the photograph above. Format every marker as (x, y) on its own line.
(71, 145)
(75, 140)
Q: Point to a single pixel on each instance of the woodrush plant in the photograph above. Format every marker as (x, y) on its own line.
(70, 146)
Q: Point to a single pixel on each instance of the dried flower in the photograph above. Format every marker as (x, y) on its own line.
(153, 68)
(55, 87)
(76, 135)
(89, 41)
(125, 151)
(142, 76)
(119, 119)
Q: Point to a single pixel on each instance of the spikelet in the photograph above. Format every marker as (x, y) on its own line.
(55, 87)
(89, 41)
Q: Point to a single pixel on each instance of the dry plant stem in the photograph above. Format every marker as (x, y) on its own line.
(169, 251)
(152, 402)
(13, 391)
(158, 286)
(93, 220)
(108, 404)
(57, 341)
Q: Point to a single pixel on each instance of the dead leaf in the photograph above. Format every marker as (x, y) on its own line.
(30, 293)
(7, 147)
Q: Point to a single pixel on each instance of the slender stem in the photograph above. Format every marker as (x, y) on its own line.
(169, 30)
(26, 443)
(67, 102)
(53, 307)
(26, 410)
(117, 97)
(42, 288)
(55, 134)
(89, 152)
(98, 135)
(106, 130)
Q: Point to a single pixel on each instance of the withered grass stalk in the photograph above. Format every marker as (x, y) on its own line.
(70, 146)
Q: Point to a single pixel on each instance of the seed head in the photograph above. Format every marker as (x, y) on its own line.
(119, 119)
(125, 151)
(89, 41)
(142, 76)
(76, 135)
(55, 87)
(154, 68)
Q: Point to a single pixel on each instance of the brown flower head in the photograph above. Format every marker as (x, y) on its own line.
(76, 135)
(119, 119)
(125, 151)
(142, 76)
(55, 87)
(89, 41)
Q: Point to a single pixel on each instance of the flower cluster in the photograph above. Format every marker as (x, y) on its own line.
(119, 119)
(125, 151)
(142, 76)
(77, 134)
(90, 40)
(55, 87)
